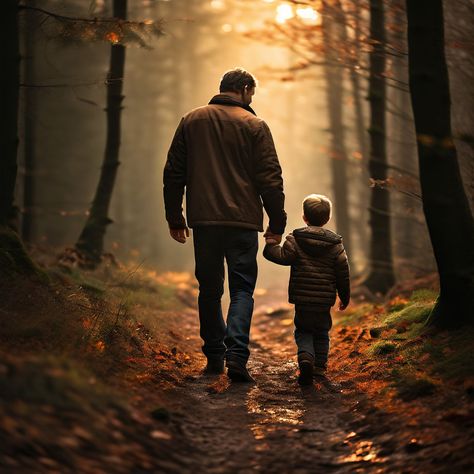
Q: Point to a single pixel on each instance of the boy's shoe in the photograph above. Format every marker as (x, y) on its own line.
(215, 366)
(237, 372)
(305, 363)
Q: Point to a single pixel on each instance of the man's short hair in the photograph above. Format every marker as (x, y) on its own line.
(317, 209)
(236, 79)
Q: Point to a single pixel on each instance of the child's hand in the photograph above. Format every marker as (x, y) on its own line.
(342, 306)
(271, 238)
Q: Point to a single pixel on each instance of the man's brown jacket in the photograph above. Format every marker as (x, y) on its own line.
(225, 158)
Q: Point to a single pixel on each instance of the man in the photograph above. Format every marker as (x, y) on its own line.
(225, 158)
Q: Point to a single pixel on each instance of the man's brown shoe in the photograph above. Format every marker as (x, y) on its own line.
(238, 372)
(214, 367)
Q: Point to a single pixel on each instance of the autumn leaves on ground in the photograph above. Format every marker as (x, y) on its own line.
(100, 373)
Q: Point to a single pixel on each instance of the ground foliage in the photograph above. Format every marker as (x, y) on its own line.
(100, 372)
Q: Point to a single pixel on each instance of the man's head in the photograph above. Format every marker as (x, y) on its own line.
(316, 209)
(239, 82)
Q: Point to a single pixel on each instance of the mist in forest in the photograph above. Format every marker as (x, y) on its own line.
(65, 125)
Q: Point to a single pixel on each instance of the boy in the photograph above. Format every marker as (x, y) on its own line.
(319, 269)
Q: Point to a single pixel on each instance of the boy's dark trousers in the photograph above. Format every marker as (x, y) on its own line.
(238, 247)
(312, 327)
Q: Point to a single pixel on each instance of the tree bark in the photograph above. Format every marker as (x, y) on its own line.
(91, 240)
(381, 277)
(338, 153)
(29, 128)
(447, 212)
(359, 168)
(9, 93)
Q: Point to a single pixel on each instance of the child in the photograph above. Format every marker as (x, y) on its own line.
(319, 269)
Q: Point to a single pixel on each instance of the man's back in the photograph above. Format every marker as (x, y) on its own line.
(227, 159)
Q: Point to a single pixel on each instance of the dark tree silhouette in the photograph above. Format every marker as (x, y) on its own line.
(332, 33)
(91, 240)
(447, 212)
(29, 127)
(9, 91)
(381, 276)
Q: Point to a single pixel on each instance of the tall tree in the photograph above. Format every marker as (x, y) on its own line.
(91, 240)
(9, 92)
(29, 128)
(381, 276)
(447, 212)
(332, 31)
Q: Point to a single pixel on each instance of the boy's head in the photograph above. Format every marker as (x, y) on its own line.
(316, 209)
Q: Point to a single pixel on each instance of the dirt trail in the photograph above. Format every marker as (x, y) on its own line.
(274, 425)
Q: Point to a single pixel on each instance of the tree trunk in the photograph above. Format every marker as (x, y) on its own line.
(447, 212)
(358, 168)
(381, 277)
(338, 153)
(9, 92)
(29, 110)
(91, 240)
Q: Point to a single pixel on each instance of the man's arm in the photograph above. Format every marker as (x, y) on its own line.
(343, 283)
(174, 181)
(269, 180)
(282, 255)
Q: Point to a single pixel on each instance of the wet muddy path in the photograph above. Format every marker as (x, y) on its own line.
(274, 425)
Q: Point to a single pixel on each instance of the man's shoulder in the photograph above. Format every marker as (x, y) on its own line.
(229, 112)
(198, 111)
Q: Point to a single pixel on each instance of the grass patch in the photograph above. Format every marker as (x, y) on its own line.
(354, 315)
(382, 348)
(424, 295)
(420, 353)
(413, 312)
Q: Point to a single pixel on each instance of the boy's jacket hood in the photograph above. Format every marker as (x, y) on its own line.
(315, 240)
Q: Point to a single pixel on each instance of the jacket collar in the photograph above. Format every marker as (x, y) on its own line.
(222, 99)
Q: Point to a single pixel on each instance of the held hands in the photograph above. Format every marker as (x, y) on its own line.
(271, 238)
(179, 235)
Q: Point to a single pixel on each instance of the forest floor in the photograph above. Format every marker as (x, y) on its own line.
(100, 372)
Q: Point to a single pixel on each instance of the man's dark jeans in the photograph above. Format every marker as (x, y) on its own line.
(312, 333)
(238, 247)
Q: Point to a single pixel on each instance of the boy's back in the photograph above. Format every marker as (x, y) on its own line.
(319, 267)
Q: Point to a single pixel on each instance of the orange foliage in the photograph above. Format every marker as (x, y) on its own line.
(112, 37)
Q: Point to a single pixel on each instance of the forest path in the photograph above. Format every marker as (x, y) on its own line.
(275, 425)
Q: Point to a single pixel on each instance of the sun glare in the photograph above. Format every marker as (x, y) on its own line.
(284, 12)
(308, 15)
(217, 4)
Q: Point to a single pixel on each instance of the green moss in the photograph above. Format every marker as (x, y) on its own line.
(382, 348)
(424, 295)
(354, 316)
(413, 313)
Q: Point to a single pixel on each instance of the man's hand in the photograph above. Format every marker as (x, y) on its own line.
(179, 235)
(271, 238)
(342, 306)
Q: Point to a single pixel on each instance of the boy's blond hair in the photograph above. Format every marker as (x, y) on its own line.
(317, 209)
